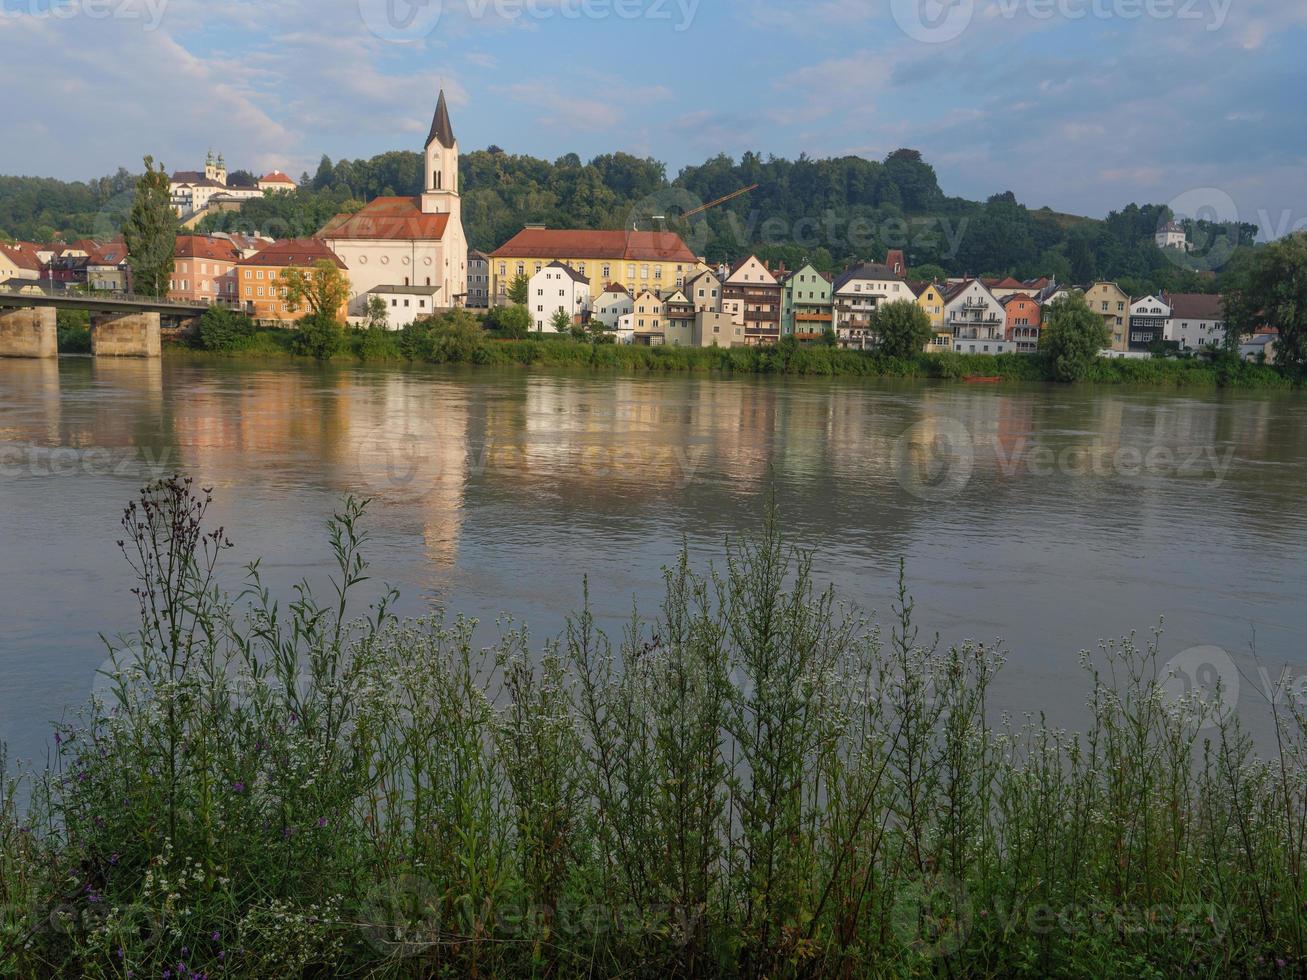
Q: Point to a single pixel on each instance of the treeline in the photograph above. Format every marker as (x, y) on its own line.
(831, 212)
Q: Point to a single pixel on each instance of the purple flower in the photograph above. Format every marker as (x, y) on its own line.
(238, 787)
(216, 936)
(322, 821)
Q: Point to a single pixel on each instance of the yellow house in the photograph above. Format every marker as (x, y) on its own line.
(659, 262)
(931, 301)
(1108, 301)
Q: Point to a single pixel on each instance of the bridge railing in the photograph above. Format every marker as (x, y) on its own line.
(139, 299)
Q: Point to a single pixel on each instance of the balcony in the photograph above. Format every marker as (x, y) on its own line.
(812, 316)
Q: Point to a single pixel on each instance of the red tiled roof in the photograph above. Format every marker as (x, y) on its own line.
(299, 252)
(203, 247)
(276, 177)
(389, 219)
(639, 246)
(1196, 306)
(21, 258)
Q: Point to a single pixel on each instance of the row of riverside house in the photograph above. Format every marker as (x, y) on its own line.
(649, 288)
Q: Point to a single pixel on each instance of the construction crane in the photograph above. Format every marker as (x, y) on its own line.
(721, 200)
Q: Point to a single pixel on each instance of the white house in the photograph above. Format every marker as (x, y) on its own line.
(410, 241)
(856, 295)
(1148, 319)
(1172, 235)
(1197, 320)
(611, 305)
(404, 304)
(276, 183)
(705, 292)
(976, 319)
(557, 287)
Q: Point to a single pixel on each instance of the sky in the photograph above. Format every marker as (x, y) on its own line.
(1080, 105)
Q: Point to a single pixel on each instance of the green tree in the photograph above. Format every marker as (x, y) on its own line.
(150, 232)
(225, 330)
(902, 327)
(510, 322)
(1270, 290)
(1072, 337)
(319, 335)
(928, 273)
(322, 289)
(561, 323)
(378, 313)
(520, 289)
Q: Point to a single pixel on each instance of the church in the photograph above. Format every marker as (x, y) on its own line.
(412, 242)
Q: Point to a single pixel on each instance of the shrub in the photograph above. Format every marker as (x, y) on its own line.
(319, 336)
(376, 344)
(225, 330)
(73, 331)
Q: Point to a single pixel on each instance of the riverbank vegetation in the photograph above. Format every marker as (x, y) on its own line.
(748, 782)
(459, 338)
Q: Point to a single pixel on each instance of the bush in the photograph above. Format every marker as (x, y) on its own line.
(73, 330)
(320, 336)
(376, 344)
(224, 330)
(749, 782)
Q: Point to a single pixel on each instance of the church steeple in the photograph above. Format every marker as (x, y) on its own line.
(441, 181)
(442, 129)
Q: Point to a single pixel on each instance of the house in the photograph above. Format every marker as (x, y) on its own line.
(1260, 347)
(1024, 319)
(638, 260)
(557, 287)
(19, 263)
(1197, 320)
(976, 319)
(751, 294)
(106, 268)
(647, 321)
(478, 280)
(1108, 301)
(678, 319)
(806, 309)
(856, 294)
(258, 282)
(192, 190)
(715, 329)
(1148, 319)
(931, 301)
(276, 183)
(1003, 288)
(204, 270)
(704, 290)
(612, 304)
(410, 241)
(1172, 235)
(405, 304)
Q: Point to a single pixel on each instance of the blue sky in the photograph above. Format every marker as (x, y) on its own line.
(1083, 105)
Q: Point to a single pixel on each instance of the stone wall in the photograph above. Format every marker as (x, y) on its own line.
(126, 335)
(28, 333)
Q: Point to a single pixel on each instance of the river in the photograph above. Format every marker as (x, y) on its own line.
(1049, 517)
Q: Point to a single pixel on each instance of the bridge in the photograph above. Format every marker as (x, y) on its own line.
(122, 324)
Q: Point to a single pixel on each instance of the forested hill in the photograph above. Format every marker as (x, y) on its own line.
(831, 212)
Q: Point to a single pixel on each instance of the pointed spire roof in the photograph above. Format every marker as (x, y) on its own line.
(441, 128)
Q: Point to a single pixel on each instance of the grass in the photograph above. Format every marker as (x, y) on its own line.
(390, 348)
(747, 782)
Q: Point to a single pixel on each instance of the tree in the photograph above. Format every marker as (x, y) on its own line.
(378, 313)
(560, 322)
(225, 330)
(928, 273)
(1270, 290)
(319, 336)
(322, 289)
(1072, 337)
(150, 233)
(510, 322)
(903, 328)
(520, 289)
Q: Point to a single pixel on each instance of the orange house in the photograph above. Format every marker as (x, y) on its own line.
(1024, 318)
(263, 296)
(204, 270)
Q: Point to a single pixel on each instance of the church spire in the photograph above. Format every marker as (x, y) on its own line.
(441, 128)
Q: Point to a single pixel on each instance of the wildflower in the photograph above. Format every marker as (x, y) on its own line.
(216, 936)
(238, 787)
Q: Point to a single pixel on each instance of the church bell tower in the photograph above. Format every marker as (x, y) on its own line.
(441, 179)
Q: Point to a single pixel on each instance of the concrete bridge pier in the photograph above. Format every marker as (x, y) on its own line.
(126, 335)
(28, 332)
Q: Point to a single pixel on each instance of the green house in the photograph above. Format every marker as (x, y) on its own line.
(805, 303)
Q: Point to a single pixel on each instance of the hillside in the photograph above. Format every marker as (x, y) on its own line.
(831, 212)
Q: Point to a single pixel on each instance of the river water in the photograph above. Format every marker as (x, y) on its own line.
(1047, 517)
